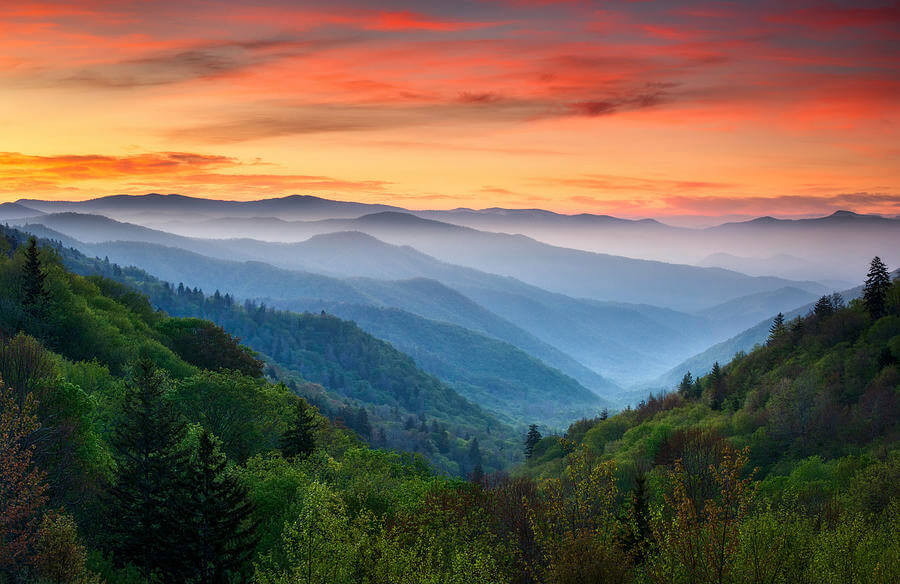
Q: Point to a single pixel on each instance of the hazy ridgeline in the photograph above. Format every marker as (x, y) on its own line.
(610, 322)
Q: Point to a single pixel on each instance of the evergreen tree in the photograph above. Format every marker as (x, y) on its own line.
(148, 498)
(474, 453)
(477, 475)
(33, 278)
(531, 440)
(717, 386)
(686, 387)
(363, 427)
(777, 329)
(604, 414)
(875, 290)
(300, 439)
(219, 537)
(823, 307)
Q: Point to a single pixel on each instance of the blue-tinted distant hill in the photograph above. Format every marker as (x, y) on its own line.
(625, 341)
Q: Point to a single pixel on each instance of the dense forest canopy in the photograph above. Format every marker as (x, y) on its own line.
(136, 446)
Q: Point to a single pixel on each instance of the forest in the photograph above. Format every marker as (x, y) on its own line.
(139, 446)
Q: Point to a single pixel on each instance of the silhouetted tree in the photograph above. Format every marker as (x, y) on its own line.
(686, 387)
(149, 495)
(218, 538)
(531, 440)
(716, 386)
(777, 329)
(875, 290)
(604, 414)
(474, 453)
(823, 307)
(33, 277)
(300, 439)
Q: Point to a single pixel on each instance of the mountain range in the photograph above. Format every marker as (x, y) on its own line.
(438, 283)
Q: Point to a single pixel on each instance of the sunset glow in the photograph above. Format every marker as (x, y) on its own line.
(627, 108)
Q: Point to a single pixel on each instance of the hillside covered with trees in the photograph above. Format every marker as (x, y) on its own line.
(139, 447)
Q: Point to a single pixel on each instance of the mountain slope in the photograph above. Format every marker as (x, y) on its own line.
(357, 370)
(627, 342)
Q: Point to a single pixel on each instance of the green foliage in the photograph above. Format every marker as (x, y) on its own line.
(201, 343)
(781, 466)
(248, 415)
(219, 537)
(148, 497)
(300, 437)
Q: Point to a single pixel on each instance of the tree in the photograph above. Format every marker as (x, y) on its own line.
(716, 386)
(59, 555)
(686, 387)
(33, 277)
(876, 287)
(475, 453)
(824, 307)
(22, 487)
(208, 346)
(219, 534)
(638, 536)
(777, 329)
(531, 440)
(300, 439)
(604, 414)
(149, 494)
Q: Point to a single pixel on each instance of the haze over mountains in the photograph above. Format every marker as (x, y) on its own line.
(438, 283)
(835, 247)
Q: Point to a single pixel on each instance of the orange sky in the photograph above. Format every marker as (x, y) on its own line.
(636, 108)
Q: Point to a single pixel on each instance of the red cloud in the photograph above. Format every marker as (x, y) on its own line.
(394, 21)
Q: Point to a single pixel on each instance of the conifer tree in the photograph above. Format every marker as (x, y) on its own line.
(477, 475)
(686, 387)
(149, 494)
(474, 453)
(777, 329)
(531, 440)
(823, 307)
(604, 414)
(300, 439)
(717, 386)
(875, 290)
(218, 538)
(33, 278)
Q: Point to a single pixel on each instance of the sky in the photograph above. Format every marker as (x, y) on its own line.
(631, 108)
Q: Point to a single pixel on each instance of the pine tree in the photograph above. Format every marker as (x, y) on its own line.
(33, 278)
(823, 307)
(218, 538)
(474, 453)
(875, 290)
(149, 495)
(531, 440)
(604, 414)
(685, 388)
(477, 475)
(777, 329)
(717, 386)
(363, 427)
(300, 439)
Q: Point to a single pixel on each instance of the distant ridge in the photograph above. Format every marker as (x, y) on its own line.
(14, 211)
